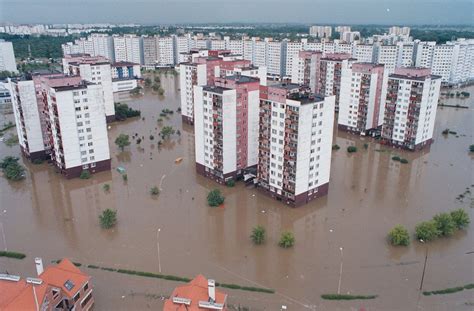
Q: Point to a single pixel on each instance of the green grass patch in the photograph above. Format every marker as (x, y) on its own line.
(346, 297)
(12, 255)
(449, 290)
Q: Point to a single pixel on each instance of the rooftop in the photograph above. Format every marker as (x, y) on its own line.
(215, 89)
(242, 79)
(122, 64)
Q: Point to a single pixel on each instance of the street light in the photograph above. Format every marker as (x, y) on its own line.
(158, 247)
(340, 272)
(424, 265)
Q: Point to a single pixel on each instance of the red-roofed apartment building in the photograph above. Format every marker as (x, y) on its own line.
(59, 287)
(198, 295)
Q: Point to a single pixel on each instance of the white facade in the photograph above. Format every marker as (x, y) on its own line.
(320, 31)
(7, 57)
(190, 76)
(387, 55)
(292, 51)
(78, 129)
(127, 48)
(274, 59)
(27, 116)
(363, 52)
(165, 51)
(150, 51)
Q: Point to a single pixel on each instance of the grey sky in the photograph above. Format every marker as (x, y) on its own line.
(219, 11)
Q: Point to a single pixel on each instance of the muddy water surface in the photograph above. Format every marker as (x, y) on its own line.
(51, 217)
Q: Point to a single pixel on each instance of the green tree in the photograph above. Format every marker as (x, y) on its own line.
(426, 231)
(287, 239)
(106, 187)
(399, 236)
(85, 174)
(215, 198)
(258, 234)
(154, 191)
(460, 218)
(230, 183)
(108, 218)
(351, 149)
(122, 141)
(11, 169)
(471, 148)
(166, 132)
(445, 224)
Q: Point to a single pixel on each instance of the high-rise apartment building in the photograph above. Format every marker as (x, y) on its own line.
(305, 69)
(76, 125)
(362, 99)
(95, 70)
(7, 57)
(226, 127)
(165, 51)
(150, 51)
(128, 48)
(330, 73)
(395, 30)
(320, 31)
(410, 108)
(387, 55)
(295, 141)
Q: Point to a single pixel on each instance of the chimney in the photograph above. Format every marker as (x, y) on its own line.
(39, 265)
(211, 288)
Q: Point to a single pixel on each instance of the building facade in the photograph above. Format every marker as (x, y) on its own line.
(295, 143)
(7, 57)
(410, 108)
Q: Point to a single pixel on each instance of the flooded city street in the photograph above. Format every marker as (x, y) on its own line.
(47, 216)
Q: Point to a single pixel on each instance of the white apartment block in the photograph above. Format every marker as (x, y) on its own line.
(95, 70)
(235, 46)
(443, 61)
(191, 74)
(150, 51)
(320, 31)
(350, 36)
(305, 69)
(260, 56)
(165, 51)
(182, 44)
(78, 128)
(463, 61)
(7, 57)
(292, 52)
(27, 118)
(127, 48)
(226, 127)
(405, 54)
(94, 45)
(341, 29)
(275, 58)
(387, 55)
(248, 47)
(424, 54)
(296, 133)
(363, 52)
(362, 99)
(218, 45)
(410, 108)
(395, 30)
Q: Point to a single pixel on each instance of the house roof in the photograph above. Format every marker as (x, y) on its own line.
(196, 291)
(19, 295)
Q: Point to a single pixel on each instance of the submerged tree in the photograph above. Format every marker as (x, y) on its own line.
(258, 234)
(108, 218)
(122, 141)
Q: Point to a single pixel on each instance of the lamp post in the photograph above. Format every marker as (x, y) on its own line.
(424, 265)
(158, 247)
(340, 272)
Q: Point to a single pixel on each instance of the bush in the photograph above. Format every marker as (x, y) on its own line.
(11, 169)
(258, 235)
(471, 148)
(12, 255)
(460, 218)
(154, 191)
(166, 132)
(230, 183)
(125, 177)
(106, 187)
(85, 174)
(426, 231)
(122, 112)
(404, 161)
(108, 219)
(399, 236)
(287, 239)
(366, 146)
(445, 132)
(444, 224)
(152, 137)
(351, 149)
(336, 147)
(396, 158)
(93, 267)
(346, 297)
(215, 198)
(122, 141)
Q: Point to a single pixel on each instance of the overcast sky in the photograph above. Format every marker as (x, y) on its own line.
(221, 11)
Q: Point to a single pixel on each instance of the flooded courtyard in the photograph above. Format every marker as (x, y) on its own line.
(50, 217)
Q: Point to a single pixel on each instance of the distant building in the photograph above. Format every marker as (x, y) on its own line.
(128, 48)
(350, 36)
(305, 69)
(199, 294)
(5, 99)
(395, 30)
(7, 57)
(320, 31)
(410, 108)
(387, 55)
(341, 29)
(59, 287)
(362, 98)
(125, 76)
(295, 143)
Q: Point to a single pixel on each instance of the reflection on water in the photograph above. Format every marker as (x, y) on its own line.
(47, 215)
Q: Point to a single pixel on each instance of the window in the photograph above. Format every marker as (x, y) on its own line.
(77, 296)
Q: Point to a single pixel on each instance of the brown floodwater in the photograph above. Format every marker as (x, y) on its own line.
(48, 216)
